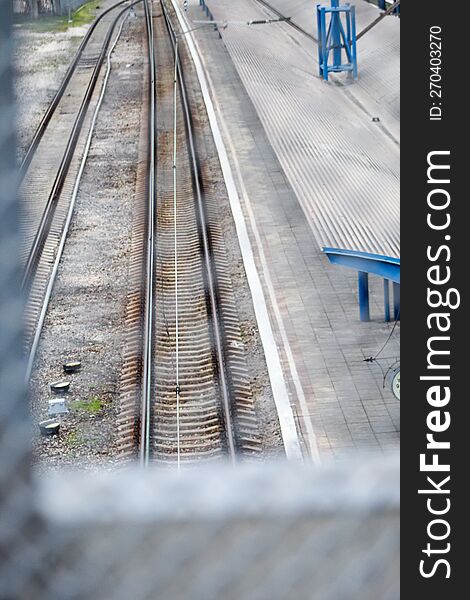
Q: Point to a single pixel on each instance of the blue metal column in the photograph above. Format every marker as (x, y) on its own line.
(332, 36)
(382, 4)
(335, 33)
(352, 37)
(320, 35)
(386, 300)
(363, 285)
(322, 42)
(396, 301)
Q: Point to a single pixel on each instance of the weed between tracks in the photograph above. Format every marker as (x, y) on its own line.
(92, 406)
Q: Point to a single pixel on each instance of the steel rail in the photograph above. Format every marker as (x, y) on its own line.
(48, 213)
(50, 284)
(211, 283)
(59, 94)
(150, 257)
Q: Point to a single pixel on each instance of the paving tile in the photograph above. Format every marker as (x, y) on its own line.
(318, 302)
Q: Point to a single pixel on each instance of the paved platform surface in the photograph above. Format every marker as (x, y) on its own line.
(344, 167)
(340, 401)
(377, 89)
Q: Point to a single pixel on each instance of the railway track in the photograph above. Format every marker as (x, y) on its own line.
(51, 166)
(185, 390)
(61, 90)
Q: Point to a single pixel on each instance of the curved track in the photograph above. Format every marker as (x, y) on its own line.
(51, 167)
(61, 90)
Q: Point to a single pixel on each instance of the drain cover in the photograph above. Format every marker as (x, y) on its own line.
(60, 387)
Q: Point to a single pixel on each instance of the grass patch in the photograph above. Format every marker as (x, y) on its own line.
(91, 406)
(72, 440)
(82, 16)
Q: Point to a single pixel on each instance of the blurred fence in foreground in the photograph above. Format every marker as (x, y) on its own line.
(258, 532)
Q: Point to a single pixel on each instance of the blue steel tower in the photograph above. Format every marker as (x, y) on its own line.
(335, 34)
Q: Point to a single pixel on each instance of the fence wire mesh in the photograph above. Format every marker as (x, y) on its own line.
(15, 496)
(270, 532)
(260, 532)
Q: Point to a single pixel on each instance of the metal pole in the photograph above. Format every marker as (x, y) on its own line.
(396, 301)
(352, 16)
(363, 285)
(386, 300)
(335, 34)
(319, 43)
(323, 46)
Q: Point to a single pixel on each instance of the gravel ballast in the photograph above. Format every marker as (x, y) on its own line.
(86, 315)
(86, 312)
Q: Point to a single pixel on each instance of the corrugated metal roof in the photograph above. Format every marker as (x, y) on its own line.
(343, 167)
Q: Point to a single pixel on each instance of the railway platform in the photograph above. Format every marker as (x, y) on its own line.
(313, 169)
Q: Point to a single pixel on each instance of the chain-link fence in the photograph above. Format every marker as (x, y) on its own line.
(261, 531)
(15, 487)
(270, 532)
